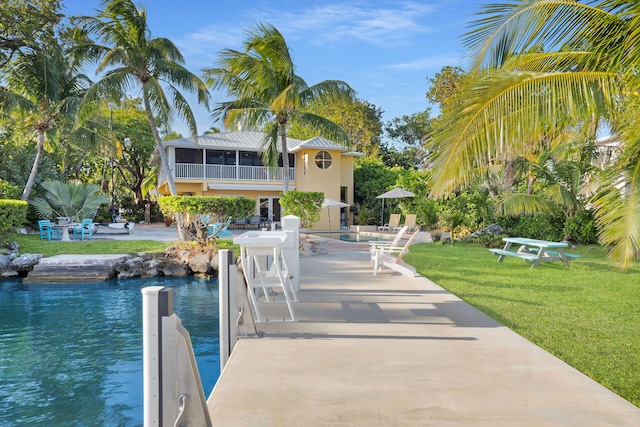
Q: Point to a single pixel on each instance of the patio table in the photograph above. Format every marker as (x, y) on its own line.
(534, 250)
(65, 230)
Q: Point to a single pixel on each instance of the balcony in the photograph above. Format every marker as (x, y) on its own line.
(199, 172)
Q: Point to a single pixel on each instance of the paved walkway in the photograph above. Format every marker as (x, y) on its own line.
(396, 351)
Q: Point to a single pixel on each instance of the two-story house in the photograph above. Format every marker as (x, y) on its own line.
(230, 164)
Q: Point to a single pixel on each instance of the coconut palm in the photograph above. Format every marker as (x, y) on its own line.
(269, 95)
(544, 71)
(129, 56)
(69, 200)
(43, 86)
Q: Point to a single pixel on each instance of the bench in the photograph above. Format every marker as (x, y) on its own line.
(554, 253)
(522, 255)
(319, 246)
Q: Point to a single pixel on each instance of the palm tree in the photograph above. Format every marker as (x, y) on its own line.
(544, 71)
(45, 87)
(130, 56)
(268, 93)
(70, 200)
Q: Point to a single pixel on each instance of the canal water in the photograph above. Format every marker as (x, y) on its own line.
(71, 355)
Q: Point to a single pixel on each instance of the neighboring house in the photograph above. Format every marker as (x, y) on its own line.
(230, 164)
(608, 149)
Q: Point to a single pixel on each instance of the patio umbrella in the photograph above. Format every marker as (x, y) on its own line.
(396, 193)
(331, 203)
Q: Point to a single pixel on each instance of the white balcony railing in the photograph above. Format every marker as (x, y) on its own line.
(230, 173)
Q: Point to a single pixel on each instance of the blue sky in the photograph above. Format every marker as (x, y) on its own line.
(385, 50)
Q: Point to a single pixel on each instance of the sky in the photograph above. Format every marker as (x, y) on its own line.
(385, 50)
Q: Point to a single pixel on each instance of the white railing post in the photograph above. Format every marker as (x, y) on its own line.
(156, 302)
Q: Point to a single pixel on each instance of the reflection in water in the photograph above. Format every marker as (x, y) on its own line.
(72, 354)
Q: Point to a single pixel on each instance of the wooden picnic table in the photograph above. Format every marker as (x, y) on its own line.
(534, 250)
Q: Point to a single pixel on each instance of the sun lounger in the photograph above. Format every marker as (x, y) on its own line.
(394, 223)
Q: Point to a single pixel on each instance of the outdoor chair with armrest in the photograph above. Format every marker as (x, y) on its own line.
(373, 245)
(47, 231)
(84, 229)
(220, 229)
(391, 257)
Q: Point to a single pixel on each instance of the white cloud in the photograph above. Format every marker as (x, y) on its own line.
(337, 23)
(429, 63)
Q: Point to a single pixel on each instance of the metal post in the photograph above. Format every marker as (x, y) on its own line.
(156, 302)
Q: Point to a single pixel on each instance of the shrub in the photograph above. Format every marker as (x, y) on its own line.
(9, 191)
(194, 213)
(582, 229)
(306, 205)
(13, 215)
(539, 226)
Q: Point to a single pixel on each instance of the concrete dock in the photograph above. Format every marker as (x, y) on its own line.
(397, 351)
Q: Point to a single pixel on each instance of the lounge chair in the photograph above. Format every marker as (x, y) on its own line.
(240, 222)
(410, 222)
(373, 245)
(391, 257)
(255, 221)
(392, 225)
(47, 231)
(84, 229)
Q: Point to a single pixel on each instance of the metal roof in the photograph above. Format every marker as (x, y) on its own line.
(249, 141)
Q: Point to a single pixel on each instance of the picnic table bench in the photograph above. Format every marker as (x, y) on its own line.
(534, 250)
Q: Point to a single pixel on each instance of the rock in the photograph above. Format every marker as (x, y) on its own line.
(176, 269)
(26, 262)
(493, 229)
(152, 268)
(200, 264)
(6, 270)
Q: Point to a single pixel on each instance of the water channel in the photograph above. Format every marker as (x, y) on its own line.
(71, 355)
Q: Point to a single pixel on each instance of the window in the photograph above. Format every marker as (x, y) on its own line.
(323, 160)
(188, 155)
(216, 157)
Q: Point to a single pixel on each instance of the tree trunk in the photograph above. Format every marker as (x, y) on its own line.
(156, 136)
(36, 165)
(285, 156)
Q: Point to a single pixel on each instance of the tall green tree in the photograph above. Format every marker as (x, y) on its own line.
(542, 71)
(361, 120)
(269, 95)
(128, 55)
(25, 24)
(44, 86)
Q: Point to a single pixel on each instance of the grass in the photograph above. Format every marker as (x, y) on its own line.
(31, 244)
(586, 315)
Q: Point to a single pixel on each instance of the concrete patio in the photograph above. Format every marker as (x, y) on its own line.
(396, 351)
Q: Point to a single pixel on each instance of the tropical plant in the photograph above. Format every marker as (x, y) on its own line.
(544, 70)
(269, 95)
(26, 23)
(129, 55)
(68, 201)
(194, 214)
(306, 205)
(44, 86)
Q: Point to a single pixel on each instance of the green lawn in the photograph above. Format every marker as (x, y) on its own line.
(587, 315)
(31, 244)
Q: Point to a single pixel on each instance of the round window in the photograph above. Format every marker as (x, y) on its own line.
(323, 160)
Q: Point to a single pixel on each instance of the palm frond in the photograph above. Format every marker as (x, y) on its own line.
(512, 204)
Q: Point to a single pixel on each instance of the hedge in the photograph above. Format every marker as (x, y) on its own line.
(13, 215)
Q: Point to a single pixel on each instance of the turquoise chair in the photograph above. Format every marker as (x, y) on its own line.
(85, 229)
(47, 231)
(220, 229)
